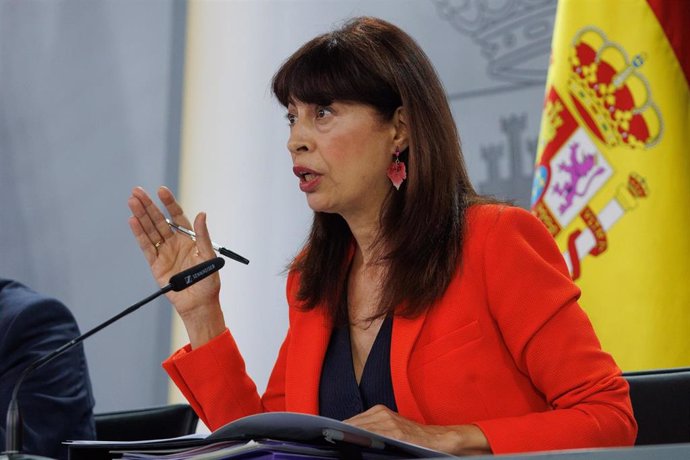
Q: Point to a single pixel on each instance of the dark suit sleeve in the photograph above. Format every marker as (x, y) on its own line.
(56, 400)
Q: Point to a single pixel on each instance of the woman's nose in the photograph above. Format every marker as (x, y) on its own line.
(299, 141)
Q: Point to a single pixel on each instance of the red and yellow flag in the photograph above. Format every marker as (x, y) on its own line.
(612, 179)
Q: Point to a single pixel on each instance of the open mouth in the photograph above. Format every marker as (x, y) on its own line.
(304, 174)
(306, 177)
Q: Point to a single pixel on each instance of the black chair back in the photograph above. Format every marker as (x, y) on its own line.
(150, 423)
(661, 402)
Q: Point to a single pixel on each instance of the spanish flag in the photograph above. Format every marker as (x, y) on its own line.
(612, 177)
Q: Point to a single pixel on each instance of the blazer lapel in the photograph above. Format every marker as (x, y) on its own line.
(405, 333)
(310, 332)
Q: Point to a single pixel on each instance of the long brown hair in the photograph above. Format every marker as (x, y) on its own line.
(373, 62)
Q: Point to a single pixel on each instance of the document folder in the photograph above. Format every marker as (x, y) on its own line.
(271, 435)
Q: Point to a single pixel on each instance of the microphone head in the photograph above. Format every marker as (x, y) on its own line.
(193, 275)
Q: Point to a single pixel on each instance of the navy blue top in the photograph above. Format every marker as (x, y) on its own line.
(339, 395)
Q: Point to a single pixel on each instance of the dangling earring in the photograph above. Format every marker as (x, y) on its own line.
(396, 171)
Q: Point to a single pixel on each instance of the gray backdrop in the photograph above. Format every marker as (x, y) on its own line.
(90, 104)
(89, 107)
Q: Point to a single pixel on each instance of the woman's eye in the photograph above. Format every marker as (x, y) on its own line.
(291, 118)
(322, 112)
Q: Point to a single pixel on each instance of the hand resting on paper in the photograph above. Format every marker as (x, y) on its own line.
(452, 439)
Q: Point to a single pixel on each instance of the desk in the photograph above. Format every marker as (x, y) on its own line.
(665, 452)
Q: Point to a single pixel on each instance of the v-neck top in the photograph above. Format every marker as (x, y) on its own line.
(339, 395)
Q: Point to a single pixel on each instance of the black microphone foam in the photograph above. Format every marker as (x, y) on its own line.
(195, 274)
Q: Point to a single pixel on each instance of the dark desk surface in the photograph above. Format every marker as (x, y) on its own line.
(665, 452)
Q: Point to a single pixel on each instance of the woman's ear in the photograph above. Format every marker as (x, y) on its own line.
(401, 135)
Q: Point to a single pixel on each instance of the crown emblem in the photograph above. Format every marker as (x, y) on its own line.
(514, 36)
(637, 185)
(610, 93)
(629, 193)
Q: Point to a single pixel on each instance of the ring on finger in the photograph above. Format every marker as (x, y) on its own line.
(157, 245)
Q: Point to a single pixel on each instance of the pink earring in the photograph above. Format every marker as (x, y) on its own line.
(396, 171)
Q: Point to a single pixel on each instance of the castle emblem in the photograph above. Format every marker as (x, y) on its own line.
(514, 155)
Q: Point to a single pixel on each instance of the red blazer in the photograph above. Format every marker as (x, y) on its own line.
(506, 348)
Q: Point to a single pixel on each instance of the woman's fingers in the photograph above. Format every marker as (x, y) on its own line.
(203, 239)
(369, 416)
(139, 203)
(151, 230)
(145, 223)
(149, 250)
(151, 217)
(174, 209)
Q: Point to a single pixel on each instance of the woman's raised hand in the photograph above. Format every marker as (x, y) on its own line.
(169, 252)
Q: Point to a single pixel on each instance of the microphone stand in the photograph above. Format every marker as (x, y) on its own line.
(13, 436)
(178, 282)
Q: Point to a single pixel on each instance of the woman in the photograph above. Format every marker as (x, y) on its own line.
(418, 310)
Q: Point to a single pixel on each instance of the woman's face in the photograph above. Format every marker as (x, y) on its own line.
(340, 154)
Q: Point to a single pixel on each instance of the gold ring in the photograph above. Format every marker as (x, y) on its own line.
(157, 245)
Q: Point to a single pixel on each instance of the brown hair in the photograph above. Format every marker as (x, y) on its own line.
(373, 62)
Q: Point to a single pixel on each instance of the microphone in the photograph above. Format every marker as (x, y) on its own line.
(195, 274)
(178, 282)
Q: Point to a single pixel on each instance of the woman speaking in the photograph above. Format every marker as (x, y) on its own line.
(418, 309)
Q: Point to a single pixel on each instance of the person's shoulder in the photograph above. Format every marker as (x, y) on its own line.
(504, 226)
(19, 303)
(484, 217)
(501, 231)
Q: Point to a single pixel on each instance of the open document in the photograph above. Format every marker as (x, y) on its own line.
(270, 435)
